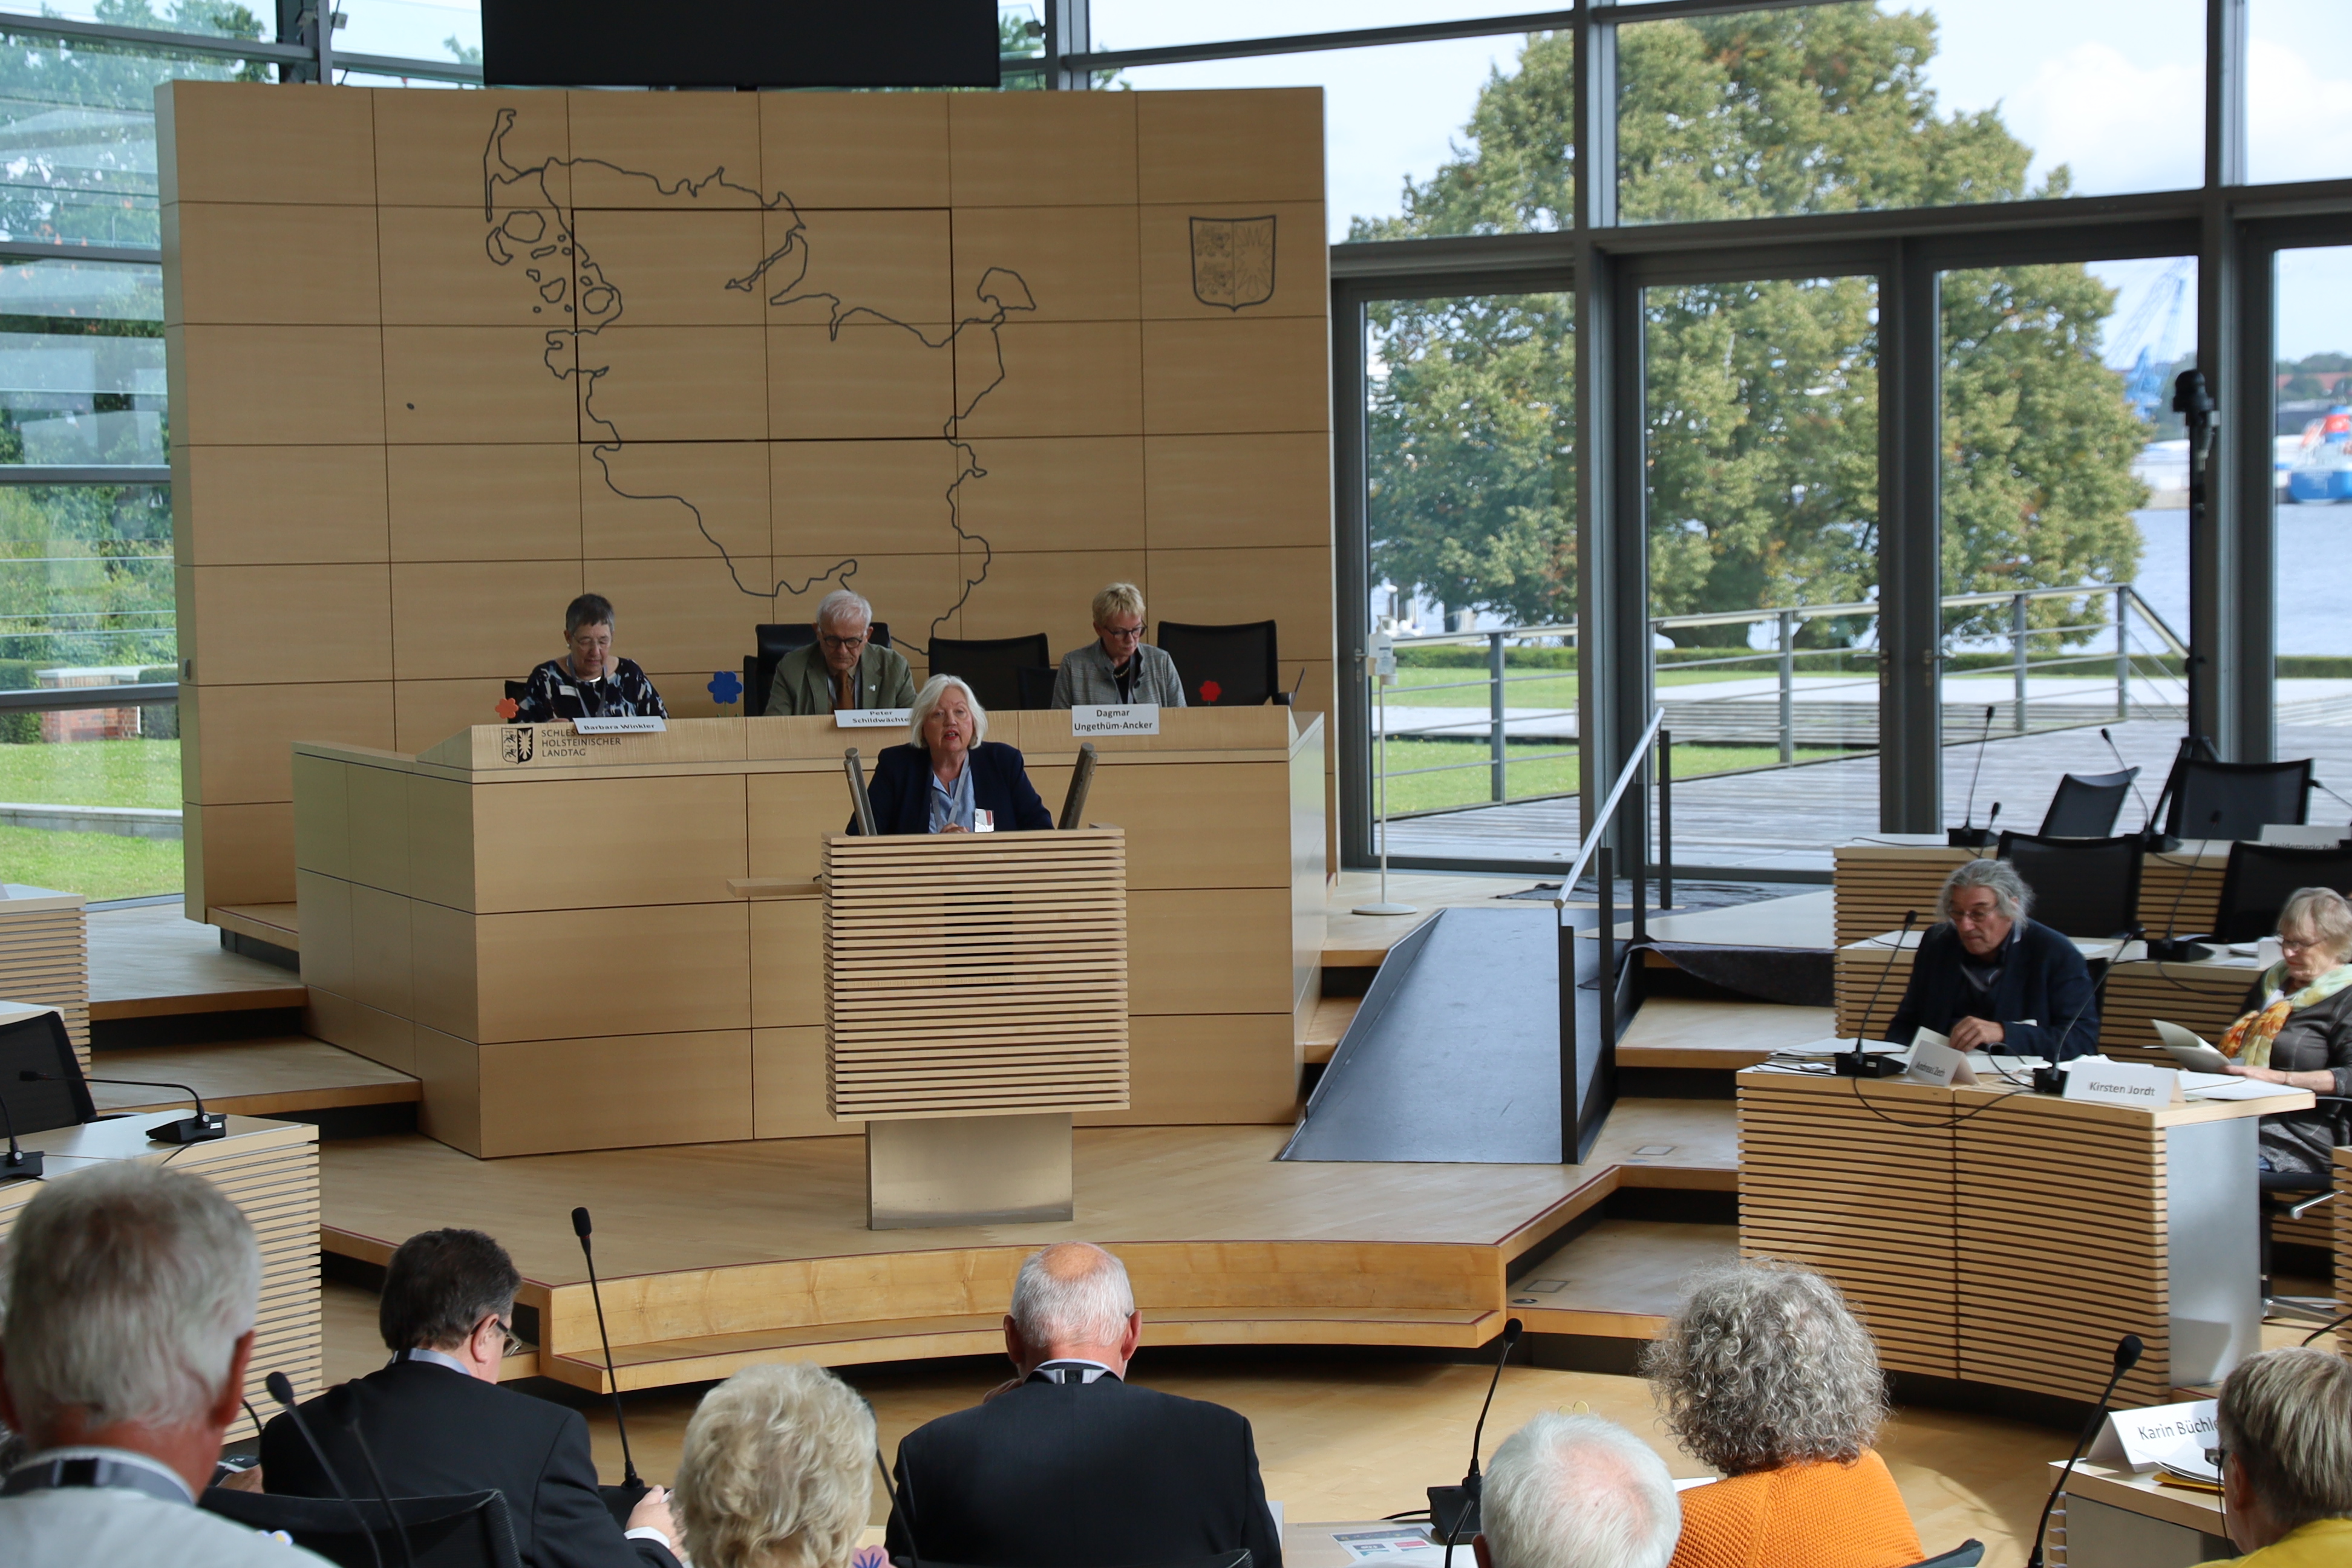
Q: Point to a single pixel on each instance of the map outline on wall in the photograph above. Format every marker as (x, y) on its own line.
(520, 230)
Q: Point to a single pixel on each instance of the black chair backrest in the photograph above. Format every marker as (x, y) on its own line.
(1966, 1554)
(992, 667)
(2086, 804)
(2261, 877)
(775, 639)
(467, 1529)
(1224, 667)
(2237, 800)
(1036, 685)
(2081, 887)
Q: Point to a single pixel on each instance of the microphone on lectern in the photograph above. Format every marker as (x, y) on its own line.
(2128, 1350)
(1454, 1510)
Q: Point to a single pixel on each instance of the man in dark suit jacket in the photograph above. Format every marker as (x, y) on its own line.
(1069, 1466)
(437, 1422)
(1991, 980)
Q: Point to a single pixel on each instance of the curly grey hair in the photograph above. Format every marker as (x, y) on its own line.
(1766, 1366)
(2010, 897)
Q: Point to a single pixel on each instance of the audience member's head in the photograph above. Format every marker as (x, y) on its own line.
(2285, 1427)
(1072, 1300)
(452, 1292)
(1576, 1491)
(1765, 1366)
(775, 1472)
(132, 1295)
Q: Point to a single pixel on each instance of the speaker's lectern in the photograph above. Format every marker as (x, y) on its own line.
(975, 997)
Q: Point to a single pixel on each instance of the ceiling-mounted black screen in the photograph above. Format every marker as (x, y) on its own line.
(739, 43)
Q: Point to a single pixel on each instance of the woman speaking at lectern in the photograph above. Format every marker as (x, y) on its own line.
(949, 777)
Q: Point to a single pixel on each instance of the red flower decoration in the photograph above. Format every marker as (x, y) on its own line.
(507, 708)
(1211, 691)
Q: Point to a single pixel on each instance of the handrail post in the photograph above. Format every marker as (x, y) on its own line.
(1607, 873)
(1567, 1031)
(1665, 820)
(1495, 712)
(2123, 655)
(2016, 653)
(1788, 687)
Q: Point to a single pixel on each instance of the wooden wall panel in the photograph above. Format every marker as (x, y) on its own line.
(788, 1086)
(1049, 591)
(673, 383)
(1207, 1068)
(459, 618)
(381, 957)
(590, 1093)
(630, 504)
(1261, 145)
(323, 824)
(1237, 375)
(275, 506)
(1178, 285)
(436, 274)
(380, 1036)
(450, 1072)
(1218, 586)
(1039, 494)
(486, 503)
(248, 853)
(1218, 949)
(327, 957)
(865, 381)
(246, 750)
(685, 839)
(325, 623)
(626, 970)
(326, 274)
(788, 968)
(1051, 378)
(1079, 264)
(700, 150)
(426, 156)
(377, 800)
(1006, 151)
(856, 150)
(447, 385)
(1207, 492)
(447, 988)
(677, 265)
(882, 497)
(259, 387)
(222, 142)
(425, 712)
(791, 814)
(686, 618)
(895, 265)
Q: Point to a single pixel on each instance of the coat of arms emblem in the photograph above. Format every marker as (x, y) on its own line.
(1233, 261)
(516, 743)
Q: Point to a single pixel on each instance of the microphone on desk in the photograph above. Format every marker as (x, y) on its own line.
(2128, 1350)
(383, 1492)
(1963, 836)
(282, 1391)
(20, 1162)
(203, 1127)
(2051, 1079)
(1454, 1510)
(2330, 793)
(1859, 1063)
(631, 1488)
(2147, 812)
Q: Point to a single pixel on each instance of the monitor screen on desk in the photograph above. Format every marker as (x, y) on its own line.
(35, 1040)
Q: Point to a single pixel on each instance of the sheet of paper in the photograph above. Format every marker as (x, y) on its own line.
(1404, 1543)
(2217, 1085)
(2189, 1049)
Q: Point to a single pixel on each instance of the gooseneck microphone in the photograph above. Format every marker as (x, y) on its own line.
(582, 1229)
(2128, 1350)
(203, 1127)
(383, 1492)
(1965, 837)
(2147, 812)
(2051, 1079)
(20, 1162)
(282, 1391)
(1859, 1063)
(1454, 1510)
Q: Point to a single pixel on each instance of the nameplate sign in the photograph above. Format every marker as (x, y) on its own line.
(870, 718)
(2104, 1082)
(2175, 1434)
(628, 724)
(1103, 719)
(1933, 1060)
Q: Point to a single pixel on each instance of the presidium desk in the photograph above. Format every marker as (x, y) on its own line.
(539, 923)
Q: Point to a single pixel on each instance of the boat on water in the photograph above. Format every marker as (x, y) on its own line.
(2321, 472)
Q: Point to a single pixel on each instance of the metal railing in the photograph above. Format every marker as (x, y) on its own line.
(2136, 646)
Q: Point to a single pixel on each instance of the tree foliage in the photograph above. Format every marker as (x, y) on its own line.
(1763, 414)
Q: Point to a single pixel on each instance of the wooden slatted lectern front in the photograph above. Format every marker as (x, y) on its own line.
(975, 996)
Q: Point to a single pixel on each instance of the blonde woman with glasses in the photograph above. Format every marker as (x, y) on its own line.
(1118, 667)
(2297, 1031)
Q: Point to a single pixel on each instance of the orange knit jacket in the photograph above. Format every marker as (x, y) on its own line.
(1819, 1515)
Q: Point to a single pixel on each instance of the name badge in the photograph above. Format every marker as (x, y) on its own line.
(871, 718)
(982, 819)
(2104, 1082)
(623, 725)
(1933, 1060)
(1104, 719)
(2176, 1435)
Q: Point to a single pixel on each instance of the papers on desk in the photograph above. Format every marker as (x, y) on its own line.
(1404, 1543)
(2227, 1085)
(2189, 1047)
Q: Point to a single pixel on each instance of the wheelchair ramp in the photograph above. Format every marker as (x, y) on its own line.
(1455, 1055)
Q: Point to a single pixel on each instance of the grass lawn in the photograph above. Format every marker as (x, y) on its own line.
(95, 865)
(92, 773)
(1560, 690)
(1552, 775)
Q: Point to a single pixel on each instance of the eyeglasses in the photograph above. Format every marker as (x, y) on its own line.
(842, 645)
(1123, 633)
(513, 1345)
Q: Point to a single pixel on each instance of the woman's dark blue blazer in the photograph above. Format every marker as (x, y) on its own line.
(2043, 977)
(901, 790)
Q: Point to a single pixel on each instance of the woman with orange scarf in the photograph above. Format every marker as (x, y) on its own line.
(2297, 1030)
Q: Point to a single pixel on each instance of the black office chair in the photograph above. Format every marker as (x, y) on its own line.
(2081, 887)
(2236, 800)
(2259, 878)
(2294, 1193)
(2086, 805)
(776, 639)
(992, 667)
(1225, 667)
(467, 1529)
(1966, 1554)
(1037, 686)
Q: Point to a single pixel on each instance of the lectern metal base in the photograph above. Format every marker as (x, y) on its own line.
(967, 1170)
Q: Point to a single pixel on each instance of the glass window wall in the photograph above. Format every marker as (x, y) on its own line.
(2298, 91)
(2312, 426)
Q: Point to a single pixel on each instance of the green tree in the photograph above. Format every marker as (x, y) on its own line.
(1762, 413)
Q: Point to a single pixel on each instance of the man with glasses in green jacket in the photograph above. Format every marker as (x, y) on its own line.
(843, 667)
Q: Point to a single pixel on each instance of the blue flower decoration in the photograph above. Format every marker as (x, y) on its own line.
(726, 687)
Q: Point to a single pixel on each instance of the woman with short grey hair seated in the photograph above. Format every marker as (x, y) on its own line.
(1988, 979)
(1118, 667)
(2285, 1425)
(2297, 1031)
(776, 1471)
(1766, 1376)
